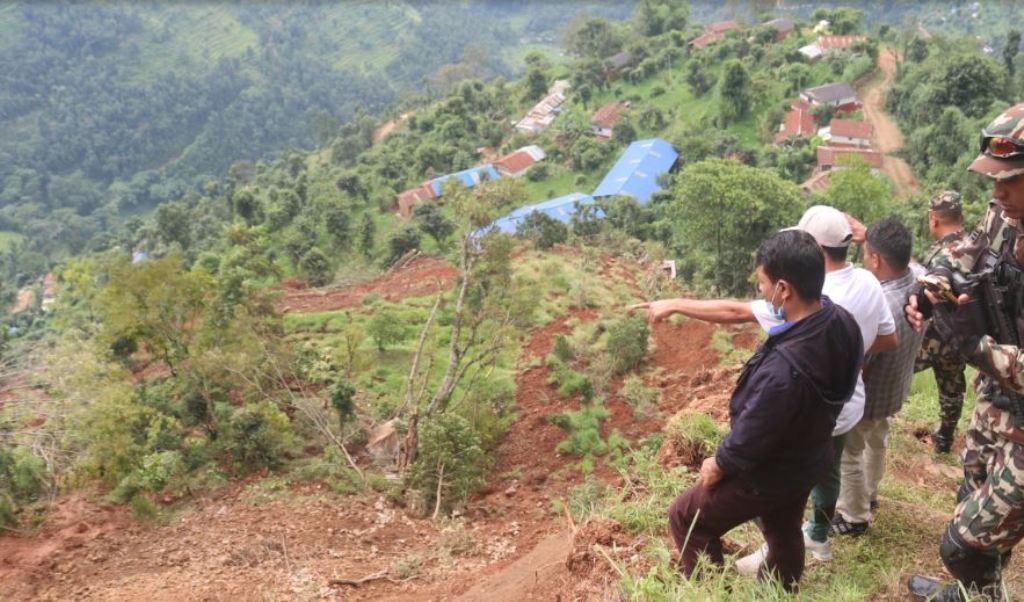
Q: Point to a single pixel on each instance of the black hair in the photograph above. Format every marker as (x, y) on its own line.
(949, 216)
(836, 254)
(794, 256)
(891, 239)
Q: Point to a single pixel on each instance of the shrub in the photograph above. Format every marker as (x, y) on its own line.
(316, 267)
(385, 328)
(562, 349)
(584, 430)
(450, 453)
(627, 343)
(538, 172)
(544, 231)
(644, 399)
(342, 397)
(571, 382)
(260, 436)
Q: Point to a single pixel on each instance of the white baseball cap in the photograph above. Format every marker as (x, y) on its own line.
(827, 225)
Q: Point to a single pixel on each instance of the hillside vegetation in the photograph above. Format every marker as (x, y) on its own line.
(296, 389)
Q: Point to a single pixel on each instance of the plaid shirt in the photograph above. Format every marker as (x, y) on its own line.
(887, 375)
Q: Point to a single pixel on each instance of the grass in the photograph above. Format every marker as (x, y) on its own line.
(8, 238)
(916, 494)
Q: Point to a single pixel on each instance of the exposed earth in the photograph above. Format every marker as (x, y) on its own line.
(888, 138)
(260, 539)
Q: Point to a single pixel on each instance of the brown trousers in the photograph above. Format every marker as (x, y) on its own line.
(700, 517)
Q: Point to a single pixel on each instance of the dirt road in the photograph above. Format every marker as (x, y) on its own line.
(888, 138)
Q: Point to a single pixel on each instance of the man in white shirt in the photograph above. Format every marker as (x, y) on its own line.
(855, 290)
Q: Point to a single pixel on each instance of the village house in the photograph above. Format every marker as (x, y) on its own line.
(713, 32)
(603, 123)
(519, 161)
(799, 121)
(408, 198)
(783, 27)
(817, 182)
(840, 95)
(828, 44)
(829, 156)
(847, 132)
(615, 64)
(544, 112)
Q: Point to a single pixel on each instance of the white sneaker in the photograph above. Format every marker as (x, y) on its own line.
(821, 551)
(751, 563)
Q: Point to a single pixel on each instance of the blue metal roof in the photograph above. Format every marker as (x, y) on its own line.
(561, 209)
(470, 177)
(637, 170)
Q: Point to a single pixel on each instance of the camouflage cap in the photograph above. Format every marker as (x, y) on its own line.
(945, 200)
(1011, 125)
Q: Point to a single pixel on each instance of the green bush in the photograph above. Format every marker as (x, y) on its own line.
(571, 382)
(385, 328)
(449, 451)
(23, 477)
(627, 343)
(538, 172)
(260, 435)
(562, 349)
(644, 399)
(584, 430)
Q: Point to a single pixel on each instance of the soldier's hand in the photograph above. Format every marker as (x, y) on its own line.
(656, 310)
(710, 473)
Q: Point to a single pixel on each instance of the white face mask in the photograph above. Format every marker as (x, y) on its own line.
(778, 313)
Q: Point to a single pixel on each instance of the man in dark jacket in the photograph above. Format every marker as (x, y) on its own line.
(782, 413)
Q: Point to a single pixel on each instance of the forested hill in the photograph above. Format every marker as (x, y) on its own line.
(108, 109)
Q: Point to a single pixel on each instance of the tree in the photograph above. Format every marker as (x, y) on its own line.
(592, 37)
(342, 397)
(734, 92)
(433, 222)
(173, 224)
(367, 235)
(451, 462)
(316, 267)
(1010, 53)
(156, 303)
(698, 78)
(404, 239)
(723, 210)
(385, 329)
(536, 83)
(970, 83)
(247, 207)
(918, 50)
(544, 231)
(655, 17)
(857, 191)
(624, 132)
(336, 222)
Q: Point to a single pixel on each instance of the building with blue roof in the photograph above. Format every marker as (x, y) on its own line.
(636, 172)
(469, 177)
(560, 209)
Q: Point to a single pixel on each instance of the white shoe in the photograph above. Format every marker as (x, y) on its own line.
(751, 563)
(821, 551)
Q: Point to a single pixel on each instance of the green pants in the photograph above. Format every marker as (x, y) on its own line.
(825, 494)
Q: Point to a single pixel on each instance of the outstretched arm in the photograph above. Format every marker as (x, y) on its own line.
(718, 311)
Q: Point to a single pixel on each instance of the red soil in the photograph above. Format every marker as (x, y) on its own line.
(420, 277)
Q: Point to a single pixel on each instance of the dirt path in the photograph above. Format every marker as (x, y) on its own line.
(523, 575)
(389, 127)
(888, 138)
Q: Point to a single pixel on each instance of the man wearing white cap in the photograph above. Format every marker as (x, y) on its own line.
(855, 290)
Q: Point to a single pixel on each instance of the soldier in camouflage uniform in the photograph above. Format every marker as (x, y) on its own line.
(945, 221)
(989, 517)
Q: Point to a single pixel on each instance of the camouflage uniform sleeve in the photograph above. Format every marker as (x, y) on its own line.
(1004, 363)
(962, 255)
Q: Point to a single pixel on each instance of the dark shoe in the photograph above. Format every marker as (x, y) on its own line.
(942, 438)
(932, 590)
(874, 505)
(841, 526)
